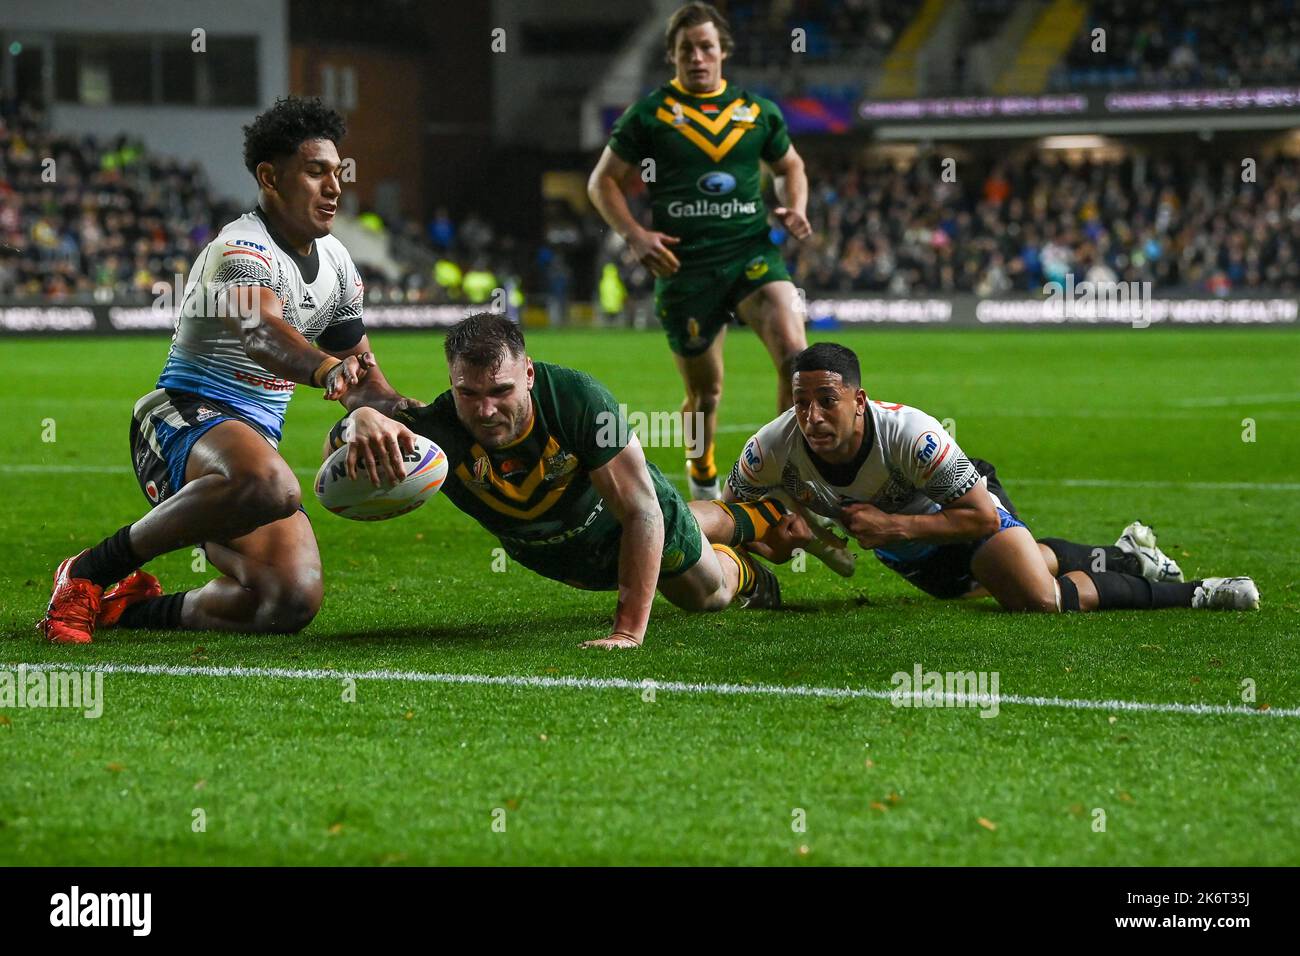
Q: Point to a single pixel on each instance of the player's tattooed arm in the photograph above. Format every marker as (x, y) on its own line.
(279, 348)
(624, 483)
(374, 391)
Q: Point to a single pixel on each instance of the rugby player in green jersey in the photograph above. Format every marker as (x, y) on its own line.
(699, 145)
(541, 456)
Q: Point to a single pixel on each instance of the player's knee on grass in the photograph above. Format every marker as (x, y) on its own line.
(1077, 592)
(288, 600)
(1029, 600)
(265, 492)
(701, 589)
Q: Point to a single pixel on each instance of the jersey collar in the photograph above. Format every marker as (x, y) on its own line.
(308, 265)
(699, 96)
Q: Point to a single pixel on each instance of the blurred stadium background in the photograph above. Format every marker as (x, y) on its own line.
(1117, 140)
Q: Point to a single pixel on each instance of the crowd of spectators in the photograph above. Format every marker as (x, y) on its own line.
(856, 33)
(84, 216)
(1185, 223)
(1194, 43)
(90, 219)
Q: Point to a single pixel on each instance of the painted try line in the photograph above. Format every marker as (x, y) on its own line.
(679, 687)
(21, 469)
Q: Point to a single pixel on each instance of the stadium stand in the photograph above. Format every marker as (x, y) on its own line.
(1193, 43)
(1184, 223)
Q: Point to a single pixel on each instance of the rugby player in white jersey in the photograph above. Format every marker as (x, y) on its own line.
(273, 302)
(893, 480)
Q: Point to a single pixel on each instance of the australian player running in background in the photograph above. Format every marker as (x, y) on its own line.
(709, 246)
(540, 456)
(274, 301)
(893, 479)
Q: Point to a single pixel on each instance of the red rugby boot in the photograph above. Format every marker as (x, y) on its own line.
(74, 605)
(136, 586)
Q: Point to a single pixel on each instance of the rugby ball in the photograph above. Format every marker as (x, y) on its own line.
(359, 500)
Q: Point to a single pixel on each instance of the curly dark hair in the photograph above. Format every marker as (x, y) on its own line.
(483, 340)
(280, 130)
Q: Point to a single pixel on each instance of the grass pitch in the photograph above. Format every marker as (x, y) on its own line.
(1089, 430)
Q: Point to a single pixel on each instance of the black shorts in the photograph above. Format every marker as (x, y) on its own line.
(944, 572)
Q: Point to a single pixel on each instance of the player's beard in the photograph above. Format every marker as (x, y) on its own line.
(499, 437)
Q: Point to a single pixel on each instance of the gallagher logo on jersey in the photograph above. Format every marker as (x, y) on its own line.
(716, 183)
(930, 451)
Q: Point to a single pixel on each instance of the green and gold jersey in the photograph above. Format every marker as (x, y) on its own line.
(706, 187)
(536, 495)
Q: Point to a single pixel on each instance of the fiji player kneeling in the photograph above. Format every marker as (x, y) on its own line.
(539, 456)
(892, 478)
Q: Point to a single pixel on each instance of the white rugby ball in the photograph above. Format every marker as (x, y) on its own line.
(359, 500)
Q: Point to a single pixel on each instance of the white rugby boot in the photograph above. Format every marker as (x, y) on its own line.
(701, 491)
(1226, 594)
(1139, 540)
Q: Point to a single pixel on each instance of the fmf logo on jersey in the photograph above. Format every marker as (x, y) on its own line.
(236, 243)
(928, 454)
(752, 458)
(716, 183)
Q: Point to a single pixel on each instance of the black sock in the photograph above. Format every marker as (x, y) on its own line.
(109, 561)
(1082, 557)
(155, 614)
(1069, 594)
(1117, 591)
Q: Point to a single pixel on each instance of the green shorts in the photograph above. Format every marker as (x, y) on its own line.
(592, 563)
(693, 306)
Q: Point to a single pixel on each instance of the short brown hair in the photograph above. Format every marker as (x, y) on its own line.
(483, 340)
(694, 15)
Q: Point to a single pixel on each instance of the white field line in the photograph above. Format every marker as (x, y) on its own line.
(7, 468)
(1219, 401)
(678, 687)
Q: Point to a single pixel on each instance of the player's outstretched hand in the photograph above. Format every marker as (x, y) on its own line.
(794, 221)
(868, 524)
(378, 443)
(651, 250)
(615, 641)
(782, 538)
(347, 375)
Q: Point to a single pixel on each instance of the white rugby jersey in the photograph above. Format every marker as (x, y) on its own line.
(321, 294)
(911, 467)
